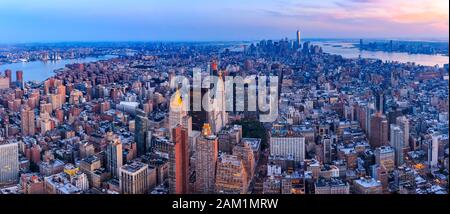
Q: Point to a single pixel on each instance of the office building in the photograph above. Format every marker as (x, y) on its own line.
(434, 150)
(327, 149)
(231, 176)
(207, 149)
(403, 123)
(141, 129)
(378, 130)
(288, 145)
(397, 142)
(114, 154)
(9, 163)
(245, 153)
(133, 178)
(385, 156)
(179, 161)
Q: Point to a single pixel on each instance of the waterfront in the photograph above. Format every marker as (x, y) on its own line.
(347, 50)
(40, 70)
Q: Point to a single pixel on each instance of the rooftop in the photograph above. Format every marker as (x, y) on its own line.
(134, 166)
(368, 182)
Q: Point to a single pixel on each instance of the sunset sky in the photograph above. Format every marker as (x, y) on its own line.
(208, 20)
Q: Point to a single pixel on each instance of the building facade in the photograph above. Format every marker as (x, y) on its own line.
(9, 163)
(133, 178)
(179, 161)
(207, 149)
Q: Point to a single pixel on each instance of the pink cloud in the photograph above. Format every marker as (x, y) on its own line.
(416, 15)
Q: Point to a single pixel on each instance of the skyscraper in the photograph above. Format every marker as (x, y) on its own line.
(198, 114)
(327, 149)
(403, 123)
(298, 39)
(179, 161)
(177, 111)
(378, 130)
(434, 148)
(9, 163)
(396, 140)
(27, 121)
(217, 115)
(114, 154)
(379, 100)
(141, 131)
(206, 159)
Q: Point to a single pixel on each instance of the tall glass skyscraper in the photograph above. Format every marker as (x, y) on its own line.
(141, 131)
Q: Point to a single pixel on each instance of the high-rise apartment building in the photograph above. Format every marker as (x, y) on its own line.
(19, 78)
(27, 121)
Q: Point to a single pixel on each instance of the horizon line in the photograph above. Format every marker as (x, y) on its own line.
(406, 39)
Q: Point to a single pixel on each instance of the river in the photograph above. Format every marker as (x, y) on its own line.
(40, 71)
(347, 50)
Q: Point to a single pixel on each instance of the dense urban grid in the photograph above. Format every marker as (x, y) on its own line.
(344, 126)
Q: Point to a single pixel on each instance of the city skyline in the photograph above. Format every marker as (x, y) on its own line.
(54, 21)
(155, 98)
